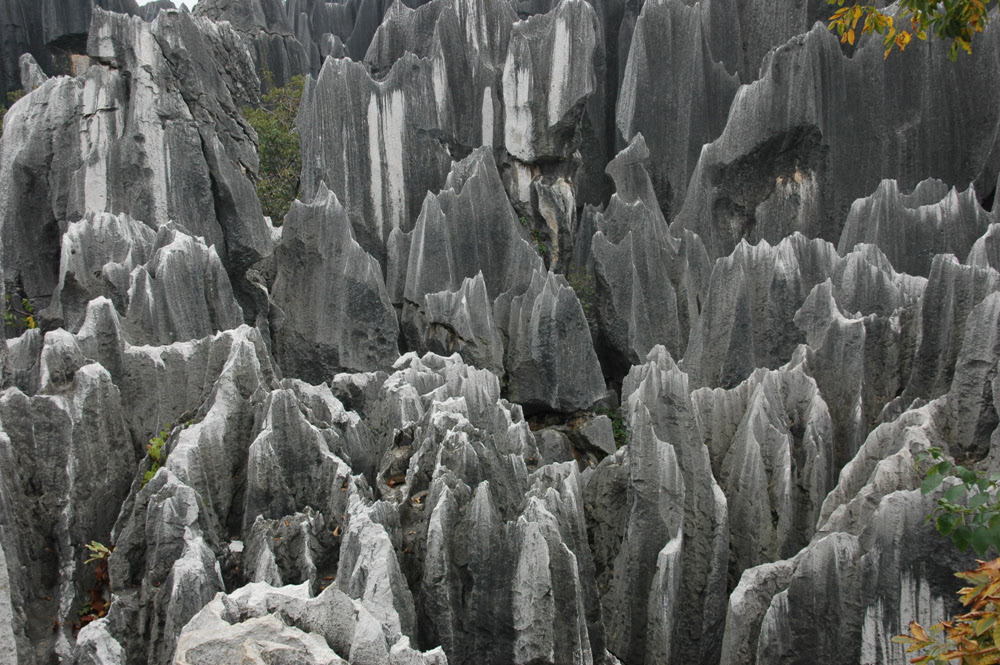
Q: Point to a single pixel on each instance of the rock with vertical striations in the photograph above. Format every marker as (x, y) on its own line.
(953, 290)
(181, 293)
(97, 257)
(470, 227)
(461, 322)
(68, 445)
(772, 447)
(320, 336)
(468, 39)
(547, 79)
(178, 84)
(790, 160)
(380, 146)
(986, 250)
(550, 359)
(649, 284)
(277, 54)
(694, 632)
(675, 92)
(911, 229)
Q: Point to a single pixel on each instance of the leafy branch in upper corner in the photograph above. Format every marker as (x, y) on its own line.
(280, 155)
(952, 20)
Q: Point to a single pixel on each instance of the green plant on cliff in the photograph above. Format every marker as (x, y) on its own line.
(12, 97)
(280, 156)
(156, 454)
(969, 514)
(957, 21)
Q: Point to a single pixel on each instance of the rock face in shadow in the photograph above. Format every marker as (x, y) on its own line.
(648, 283)
(790, 160)
(550, 360)
(319, 337)
(675, 92)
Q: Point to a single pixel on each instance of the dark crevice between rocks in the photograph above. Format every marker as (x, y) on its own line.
(750, 180)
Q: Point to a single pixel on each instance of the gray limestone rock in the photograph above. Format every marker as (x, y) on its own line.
(952, 291)
(986, 250)
(547, 79)
(461, 322)
(178, 83)
(649, 284)
(467, 229)
(650, 550)
(550, 360)
(772, 447)
(67, 447)
(277, 54)
(675, 92)
(380, 146)
(319, 337)
(468, 39)
(912, 229)
(181, 293)
(97, 257)
(790, 160)
(748, 314)
(695, 631)
(32, 75)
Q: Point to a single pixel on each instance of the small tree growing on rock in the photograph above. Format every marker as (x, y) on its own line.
(280, 155)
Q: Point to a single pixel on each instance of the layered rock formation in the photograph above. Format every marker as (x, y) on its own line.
(599, 333)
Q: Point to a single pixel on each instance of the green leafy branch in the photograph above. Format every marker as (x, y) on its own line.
(156, 453)
(968, 512)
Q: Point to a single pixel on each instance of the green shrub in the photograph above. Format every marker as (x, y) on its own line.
(280, 155)
(12, 97)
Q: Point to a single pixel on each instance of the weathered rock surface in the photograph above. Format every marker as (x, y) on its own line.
(320, 336)
(912, 228)
(550, 360)
(790, 160)
(164, 101)
(269, 34)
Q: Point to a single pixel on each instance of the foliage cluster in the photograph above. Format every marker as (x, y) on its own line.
(97, 604)
(956, 21)
(12, 97)
(280, 155)
(970, 638)
(156, 453)
(19, 318)
(968, 512)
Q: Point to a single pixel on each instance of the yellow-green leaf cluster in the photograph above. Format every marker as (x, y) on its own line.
(956, 21)
(967, 639)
